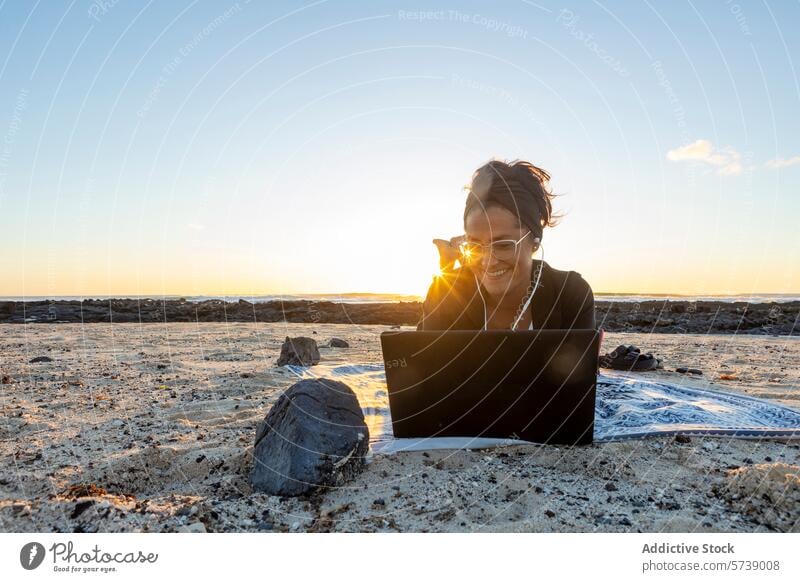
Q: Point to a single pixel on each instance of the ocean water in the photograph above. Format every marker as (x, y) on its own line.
(338, 298)
(749, 298)
(395, 298)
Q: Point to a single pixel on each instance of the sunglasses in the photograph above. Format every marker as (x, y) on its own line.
(501, 249)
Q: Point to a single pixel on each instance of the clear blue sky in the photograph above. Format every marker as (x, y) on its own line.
(249, 147)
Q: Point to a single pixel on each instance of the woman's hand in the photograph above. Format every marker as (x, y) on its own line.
(449, 251)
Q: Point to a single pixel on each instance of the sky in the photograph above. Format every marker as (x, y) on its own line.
(247, 148)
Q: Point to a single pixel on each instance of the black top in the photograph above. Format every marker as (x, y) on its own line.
(563, 300)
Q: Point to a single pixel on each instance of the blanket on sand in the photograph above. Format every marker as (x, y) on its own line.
(626, 407)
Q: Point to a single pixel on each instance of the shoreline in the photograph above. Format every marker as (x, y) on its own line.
(652, 316)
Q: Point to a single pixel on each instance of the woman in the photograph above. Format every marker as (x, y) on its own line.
(498, 284)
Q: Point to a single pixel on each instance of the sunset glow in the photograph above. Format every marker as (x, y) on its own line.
(331, 165)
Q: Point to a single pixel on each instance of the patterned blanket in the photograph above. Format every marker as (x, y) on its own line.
(627, 407)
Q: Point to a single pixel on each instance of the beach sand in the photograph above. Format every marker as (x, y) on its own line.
(150, 428)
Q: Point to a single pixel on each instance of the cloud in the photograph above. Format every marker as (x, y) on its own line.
(782, 163)
(727, 160)
(698, 150)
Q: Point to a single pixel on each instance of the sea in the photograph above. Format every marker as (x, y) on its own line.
(396, 298)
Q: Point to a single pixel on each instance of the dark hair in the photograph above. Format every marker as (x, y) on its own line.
(519, 187)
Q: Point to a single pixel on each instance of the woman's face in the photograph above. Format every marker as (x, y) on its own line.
(498, 275)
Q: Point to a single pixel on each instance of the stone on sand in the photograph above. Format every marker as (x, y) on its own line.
(314, 435)
(768, 492)
(299, 351)
(337, 342)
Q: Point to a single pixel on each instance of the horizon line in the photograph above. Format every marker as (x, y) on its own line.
(368, 294)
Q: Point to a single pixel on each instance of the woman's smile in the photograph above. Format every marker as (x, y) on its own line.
(496, 273)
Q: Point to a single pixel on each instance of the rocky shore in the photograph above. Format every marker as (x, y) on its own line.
(656, 316)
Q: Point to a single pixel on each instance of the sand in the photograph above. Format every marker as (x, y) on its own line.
(150, 428)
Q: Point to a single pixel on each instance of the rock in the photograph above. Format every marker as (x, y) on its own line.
(299, 351)
(694, 371)
(682, 438)
(611, 487)
(668, 504)
(38, 359)
(646, 316)
(6, 379)
(336, 342)
(767, 493)
(314, 435)
(549, 513)
(196, 527)
(604, 520)
(80, 507)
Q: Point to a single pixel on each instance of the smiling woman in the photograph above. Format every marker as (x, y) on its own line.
(489, 278)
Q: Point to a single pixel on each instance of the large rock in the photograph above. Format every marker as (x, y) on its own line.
(337, 342)
(314, 435)
(299, 351)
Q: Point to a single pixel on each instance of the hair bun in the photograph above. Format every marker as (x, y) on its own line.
(519, 187)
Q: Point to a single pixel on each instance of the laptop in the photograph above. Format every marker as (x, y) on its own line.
(533, 385)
